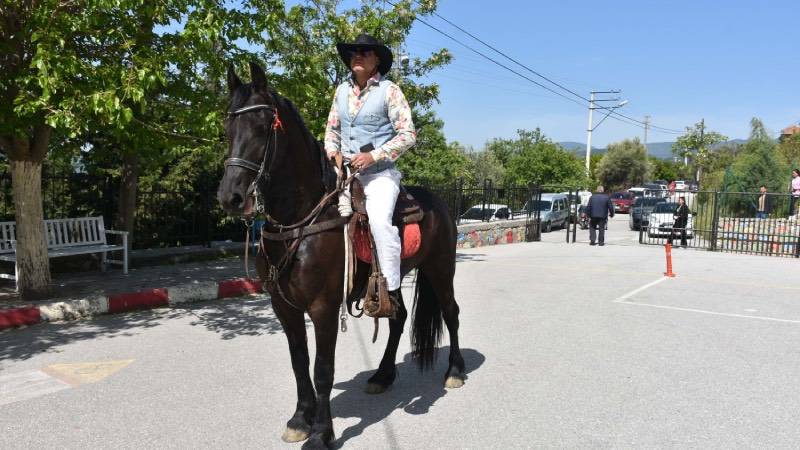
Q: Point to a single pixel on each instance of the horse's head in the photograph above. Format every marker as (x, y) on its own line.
(251, 114)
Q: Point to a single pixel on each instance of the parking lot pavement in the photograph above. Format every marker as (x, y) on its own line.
(566, 346)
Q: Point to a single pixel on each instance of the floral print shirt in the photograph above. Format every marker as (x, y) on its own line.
(399, 115)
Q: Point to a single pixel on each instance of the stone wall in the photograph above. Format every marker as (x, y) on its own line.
(491, 233)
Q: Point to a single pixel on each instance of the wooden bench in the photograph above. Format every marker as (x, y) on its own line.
(67, 237)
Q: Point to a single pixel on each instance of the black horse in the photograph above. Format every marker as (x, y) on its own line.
(271, 150)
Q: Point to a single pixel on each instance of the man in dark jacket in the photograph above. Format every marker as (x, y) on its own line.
(599, 209)
(680, 218)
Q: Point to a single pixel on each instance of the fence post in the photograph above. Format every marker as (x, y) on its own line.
(483, 204)
(715, 223)
(459, 200)
(108, 202)
(207, 234)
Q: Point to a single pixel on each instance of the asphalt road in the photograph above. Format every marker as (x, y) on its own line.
(566, 345)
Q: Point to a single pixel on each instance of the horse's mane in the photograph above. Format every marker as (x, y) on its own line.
(328, 174)
(241, 95)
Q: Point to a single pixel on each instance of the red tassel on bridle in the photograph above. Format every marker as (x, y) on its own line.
(277, 124)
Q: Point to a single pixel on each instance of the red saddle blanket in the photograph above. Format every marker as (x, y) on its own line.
(410, 237)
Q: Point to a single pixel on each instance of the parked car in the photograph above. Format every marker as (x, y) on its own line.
(553, 210)
(662, 219)
(680, 185)
(491, 212)
(656, 190)
(641, 209)
(622, 201)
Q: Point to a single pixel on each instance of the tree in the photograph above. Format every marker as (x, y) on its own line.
(432, 161)
(485, 166)
(309, 68)
(758, 163)
(697, 142)
(789, 150)
(666, 170)
(61, 77)
(624, 164)
(537, 159)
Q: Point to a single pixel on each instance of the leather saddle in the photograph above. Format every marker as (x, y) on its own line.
(406, 210)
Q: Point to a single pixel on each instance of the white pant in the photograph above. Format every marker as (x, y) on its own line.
(381, 190)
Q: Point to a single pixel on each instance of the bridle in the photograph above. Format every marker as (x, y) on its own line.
(262, 170)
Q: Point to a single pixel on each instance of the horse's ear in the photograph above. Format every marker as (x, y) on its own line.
(258, 77)
(233, 79)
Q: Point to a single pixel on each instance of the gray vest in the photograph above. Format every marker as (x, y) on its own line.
(371, 123)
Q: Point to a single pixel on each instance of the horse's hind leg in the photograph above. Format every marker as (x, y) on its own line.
(298, 427)
(439, 278)
(387, 370)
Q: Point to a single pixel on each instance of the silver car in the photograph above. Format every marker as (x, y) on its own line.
(553, 210)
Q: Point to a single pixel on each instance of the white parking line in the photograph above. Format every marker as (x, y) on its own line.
(636, 291)
(713, 313)
(624, 300)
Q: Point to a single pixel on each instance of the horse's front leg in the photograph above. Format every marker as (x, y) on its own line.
(298, 428)
(325, 317)
(387, 370)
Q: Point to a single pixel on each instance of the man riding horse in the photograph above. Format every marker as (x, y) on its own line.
(370, 125)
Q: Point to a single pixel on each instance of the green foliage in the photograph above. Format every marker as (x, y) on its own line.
(697, 143)
(664, 169)
(758, 163)
(536, 159)
(789, 150)
(432, 161)
(624, 165)
(301, 46)
(485, 166)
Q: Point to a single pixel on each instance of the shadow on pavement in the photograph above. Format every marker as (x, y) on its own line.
(413, 391)
(228, 318)
(461, 257)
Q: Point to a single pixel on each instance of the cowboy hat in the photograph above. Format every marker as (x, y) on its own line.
(366, 41)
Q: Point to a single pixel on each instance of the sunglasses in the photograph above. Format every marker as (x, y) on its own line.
(363, 51)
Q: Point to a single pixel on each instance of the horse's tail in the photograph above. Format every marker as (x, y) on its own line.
(427, 322)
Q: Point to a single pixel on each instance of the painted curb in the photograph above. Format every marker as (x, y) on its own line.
(133, 301)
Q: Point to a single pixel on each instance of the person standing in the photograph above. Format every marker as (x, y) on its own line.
(764, 203)
(370, 124)
(680, 218)
(599, 208)
(795, 188)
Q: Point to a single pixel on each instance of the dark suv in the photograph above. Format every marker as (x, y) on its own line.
(640, 212)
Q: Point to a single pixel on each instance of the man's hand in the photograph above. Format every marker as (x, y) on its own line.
(362, 161)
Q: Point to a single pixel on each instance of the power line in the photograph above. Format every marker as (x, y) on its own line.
(614, 114)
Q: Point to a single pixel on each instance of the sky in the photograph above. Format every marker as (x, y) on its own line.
(677, 61)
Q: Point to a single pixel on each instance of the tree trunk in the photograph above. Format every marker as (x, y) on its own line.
(34, 266)
(129, 184)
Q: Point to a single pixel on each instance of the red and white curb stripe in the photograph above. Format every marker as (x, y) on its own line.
(112, 304)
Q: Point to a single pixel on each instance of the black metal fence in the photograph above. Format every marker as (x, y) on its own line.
(164, 217)
(739, 222)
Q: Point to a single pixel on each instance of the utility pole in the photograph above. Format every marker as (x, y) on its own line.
(591, 126)
(646, 128)
(589, 136)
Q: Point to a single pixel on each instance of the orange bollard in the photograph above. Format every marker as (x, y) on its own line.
(669, 272)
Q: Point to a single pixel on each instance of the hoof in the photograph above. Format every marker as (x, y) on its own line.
(375, 388)
(292, 435)
(317, 443)
(453, 382)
